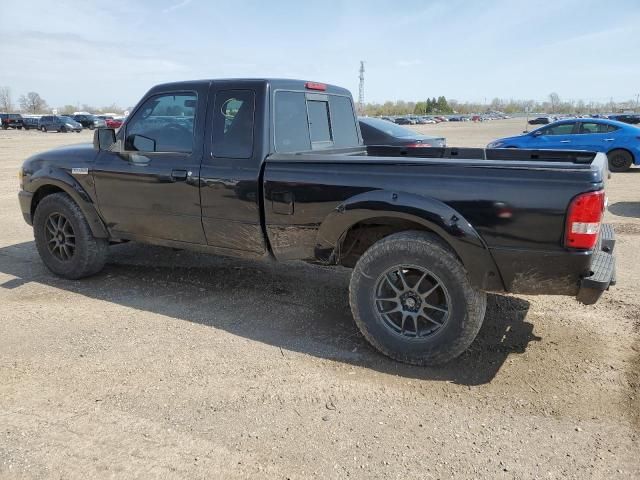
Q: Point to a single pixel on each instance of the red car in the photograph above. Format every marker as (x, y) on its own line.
(114, 122)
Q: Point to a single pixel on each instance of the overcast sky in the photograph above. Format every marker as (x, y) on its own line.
(103, 52)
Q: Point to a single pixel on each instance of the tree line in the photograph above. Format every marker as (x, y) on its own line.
(32, 103)
(552, 104)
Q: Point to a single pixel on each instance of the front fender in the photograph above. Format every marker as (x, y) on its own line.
(428, 212)
(60, 178)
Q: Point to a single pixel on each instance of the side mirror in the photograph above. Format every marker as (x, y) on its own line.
(103, 138)
(537, 133)
(142, 143)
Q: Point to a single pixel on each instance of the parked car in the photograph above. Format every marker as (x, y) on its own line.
(114, 122)
(626, 118)
(540, 121)
(11, 120)
(58, 123)
(30, 123)
(89, 121)
(404, 121)
(380, 132)
(427, 120)
(620, 141)
(279, 171)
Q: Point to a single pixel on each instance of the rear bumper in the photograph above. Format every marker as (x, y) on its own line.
(584, 274)
(603, 269)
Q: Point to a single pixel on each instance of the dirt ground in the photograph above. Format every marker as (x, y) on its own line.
(172, 364)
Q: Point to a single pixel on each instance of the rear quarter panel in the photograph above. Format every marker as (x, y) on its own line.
(513, 210)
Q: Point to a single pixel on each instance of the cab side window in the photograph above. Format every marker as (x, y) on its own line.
(233, 121)
(164, 123)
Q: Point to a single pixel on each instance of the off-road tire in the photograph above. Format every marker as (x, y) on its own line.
(428, 251)
(619, 160)
(90, 253)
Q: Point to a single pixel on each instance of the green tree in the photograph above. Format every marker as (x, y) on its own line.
(442, 106)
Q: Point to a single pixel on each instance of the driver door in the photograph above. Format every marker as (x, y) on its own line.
(556, 136)
(148, 186)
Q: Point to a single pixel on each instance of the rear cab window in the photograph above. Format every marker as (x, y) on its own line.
(306, 121)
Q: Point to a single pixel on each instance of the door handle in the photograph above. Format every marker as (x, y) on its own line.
(178, 175)
(609, 139)
(565, 141)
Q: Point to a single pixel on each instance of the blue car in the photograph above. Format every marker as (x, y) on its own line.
(620, 141)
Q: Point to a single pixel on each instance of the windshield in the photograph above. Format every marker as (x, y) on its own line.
(387, 127)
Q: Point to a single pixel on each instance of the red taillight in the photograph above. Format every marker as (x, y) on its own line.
(583, 220)
(419, 145)
(315, 86)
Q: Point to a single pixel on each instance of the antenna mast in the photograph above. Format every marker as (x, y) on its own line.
(361, 89)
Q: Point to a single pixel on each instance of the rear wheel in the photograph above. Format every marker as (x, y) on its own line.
(62, 129)
(43, 128)
(64, 240)
(412, 299)
(619, 160)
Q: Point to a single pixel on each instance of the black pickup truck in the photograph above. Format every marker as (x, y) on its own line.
(276, 169)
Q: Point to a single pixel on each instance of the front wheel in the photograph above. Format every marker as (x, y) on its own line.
(619, 160)
(64, 240)
(43, 129)
(412, 300)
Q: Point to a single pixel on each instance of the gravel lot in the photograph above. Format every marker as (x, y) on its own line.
(171, 364)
